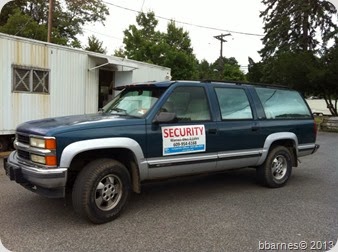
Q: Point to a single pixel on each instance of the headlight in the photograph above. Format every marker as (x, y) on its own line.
(37, 142)
(43, 143)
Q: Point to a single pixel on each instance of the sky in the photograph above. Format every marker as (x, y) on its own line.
(221, 16)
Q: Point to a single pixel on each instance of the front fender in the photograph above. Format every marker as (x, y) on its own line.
(104, 143)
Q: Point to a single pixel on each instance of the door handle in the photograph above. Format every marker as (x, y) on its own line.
(212, 131)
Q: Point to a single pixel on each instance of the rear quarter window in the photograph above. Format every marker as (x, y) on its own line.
(283, 104)
(234, 104)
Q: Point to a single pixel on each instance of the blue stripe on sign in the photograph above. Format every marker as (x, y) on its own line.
(182, 149)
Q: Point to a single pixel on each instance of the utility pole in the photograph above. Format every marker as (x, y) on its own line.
(221, 38)
(50, 18)
(220, 61)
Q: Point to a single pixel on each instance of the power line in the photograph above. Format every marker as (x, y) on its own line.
(102, 34)
(186, 23)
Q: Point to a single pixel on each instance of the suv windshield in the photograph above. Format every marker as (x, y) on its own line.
(134, 101)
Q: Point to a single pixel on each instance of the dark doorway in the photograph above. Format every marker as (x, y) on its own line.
(106, 85)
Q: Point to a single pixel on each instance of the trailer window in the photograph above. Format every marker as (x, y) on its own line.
(30, 80)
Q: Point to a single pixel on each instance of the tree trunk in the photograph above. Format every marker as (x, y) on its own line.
(330, 106)
(305, 41)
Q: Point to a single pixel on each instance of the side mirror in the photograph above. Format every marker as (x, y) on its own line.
(165, 117)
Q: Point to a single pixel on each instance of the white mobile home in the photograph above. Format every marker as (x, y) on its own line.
(40, 80)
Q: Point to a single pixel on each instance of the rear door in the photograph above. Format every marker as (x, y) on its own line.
(239, 139)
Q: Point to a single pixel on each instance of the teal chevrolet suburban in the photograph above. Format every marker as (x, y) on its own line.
(159, 130)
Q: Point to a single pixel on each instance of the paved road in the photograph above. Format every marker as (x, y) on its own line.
(224, 212)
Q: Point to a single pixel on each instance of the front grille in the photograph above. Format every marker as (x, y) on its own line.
(22, 138)
(24, 154)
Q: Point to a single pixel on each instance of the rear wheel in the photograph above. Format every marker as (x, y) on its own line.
(101, 190)
(276, 169)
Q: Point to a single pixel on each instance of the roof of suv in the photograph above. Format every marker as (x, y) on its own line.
(165, 84)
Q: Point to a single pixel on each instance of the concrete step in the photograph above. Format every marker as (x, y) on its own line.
(4, 154)
(330, 123)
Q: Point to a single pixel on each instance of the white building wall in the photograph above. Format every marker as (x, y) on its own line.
(73, 86)
(20, 107)
(5, 87)
(91, 89)
(68, 77)
(123, 78)
(148, 72)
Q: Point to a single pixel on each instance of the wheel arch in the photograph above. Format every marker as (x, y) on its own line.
(287, 139)
(125, 150)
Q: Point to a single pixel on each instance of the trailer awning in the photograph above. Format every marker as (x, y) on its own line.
(116, 64)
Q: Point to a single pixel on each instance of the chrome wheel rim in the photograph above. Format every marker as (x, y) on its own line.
(108, 192)
(279, 167)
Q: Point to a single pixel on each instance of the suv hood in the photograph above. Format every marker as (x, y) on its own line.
(51, 126)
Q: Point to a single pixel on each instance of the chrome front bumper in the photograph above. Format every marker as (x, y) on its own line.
(45, 181)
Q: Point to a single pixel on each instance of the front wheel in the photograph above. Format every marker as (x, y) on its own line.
(276, 169)
(101, 190)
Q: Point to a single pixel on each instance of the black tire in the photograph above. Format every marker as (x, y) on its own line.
(101, 190)
(277, 168)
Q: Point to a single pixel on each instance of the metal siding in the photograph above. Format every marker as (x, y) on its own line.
(20, 107)
(5, 88)
(73, 89)
(150, 73)
(123, 78)
(92, 88)
(68, 79)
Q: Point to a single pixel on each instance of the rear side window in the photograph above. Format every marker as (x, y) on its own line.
(234, 103)
(283, 104)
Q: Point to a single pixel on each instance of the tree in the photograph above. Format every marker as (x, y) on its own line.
(142, 42)
(20, 24)
(227, 69)
(255, 71)
(68, 17)
(294, 54)
(171, 49)
(95, 45)
(293, 25)
(205, 71)
(178, 54)
(324, 78)
(290, 69)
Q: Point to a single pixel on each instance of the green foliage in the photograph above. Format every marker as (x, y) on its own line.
(68, 18)
(205, 71)
(232, 72)
(325, 78)
(293, 25)
(142, 42)
(290, 69)
(225, 69)
(178, 53)
(255, 71)
(171, 49)
(95, 45)
(23, 25)
(292, 54)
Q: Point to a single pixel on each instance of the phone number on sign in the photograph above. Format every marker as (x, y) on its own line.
(184, 143)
